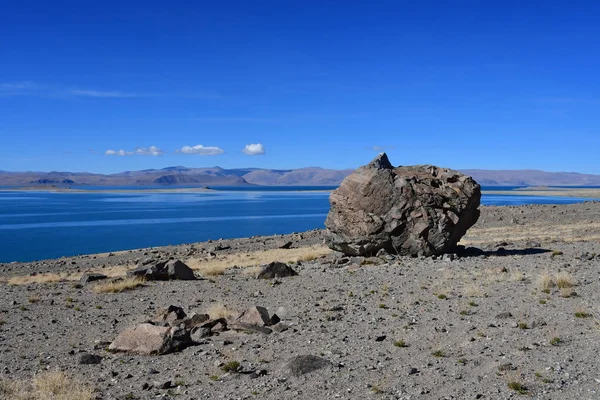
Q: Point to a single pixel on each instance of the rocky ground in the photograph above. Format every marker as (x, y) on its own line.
(515, 315)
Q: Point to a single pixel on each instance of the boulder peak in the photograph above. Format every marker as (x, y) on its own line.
(380, 162)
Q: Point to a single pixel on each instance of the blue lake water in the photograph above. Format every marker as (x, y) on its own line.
(40, 225)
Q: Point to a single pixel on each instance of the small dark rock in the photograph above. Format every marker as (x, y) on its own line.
(276, 270)
(87, 278)
(89, 359)
(300, 365)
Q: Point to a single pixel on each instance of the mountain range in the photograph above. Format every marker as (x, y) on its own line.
(311, 176)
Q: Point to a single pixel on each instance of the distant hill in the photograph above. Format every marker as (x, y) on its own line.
(312, 176)
(530, 177)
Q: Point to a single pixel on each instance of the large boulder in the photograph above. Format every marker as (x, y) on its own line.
(412, 210)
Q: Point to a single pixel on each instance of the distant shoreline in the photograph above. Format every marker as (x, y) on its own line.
(545, 191)
(154, 190)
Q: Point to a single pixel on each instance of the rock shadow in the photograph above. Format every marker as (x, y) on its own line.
(501, 252)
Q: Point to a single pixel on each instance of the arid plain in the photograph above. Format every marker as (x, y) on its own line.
(514, 314)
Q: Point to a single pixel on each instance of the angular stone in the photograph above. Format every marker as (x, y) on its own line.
(177, 269)
(164, 270)
(413, 210)
(149, 339)
(170, 315)
(276, 270)
(255, 316)
(87, 278)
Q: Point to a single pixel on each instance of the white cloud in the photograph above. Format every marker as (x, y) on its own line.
(141, 151)
(381, 148)
(254, 149)
(118, 153)
(150, 151)
(98, 93)
(201, 150)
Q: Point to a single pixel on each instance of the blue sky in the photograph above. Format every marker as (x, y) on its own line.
(479, 84)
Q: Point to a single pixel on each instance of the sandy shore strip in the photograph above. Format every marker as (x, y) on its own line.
(151, 191)
(548, 191)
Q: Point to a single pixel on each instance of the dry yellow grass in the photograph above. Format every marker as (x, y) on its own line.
(564, 280)
(532, 231)
(118, 286)
(210, 267)
(40, 278)
(45, 386)
(545, 282)
(517, 276)
(111, 272)
(218, 265)
(474, 291)
(218, 310)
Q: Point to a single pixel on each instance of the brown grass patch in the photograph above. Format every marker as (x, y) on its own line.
(218, 265)
(111, 272)
(118, 286)
(207, 267)
(571, 232)
(474, 291)
(517, 276)
(45, 386)
(218, 310)
(41, 278)
(545, 282)
(564, 280)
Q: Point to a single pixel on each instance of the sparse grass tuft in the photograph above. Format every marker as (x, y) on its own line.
(400, 343)
(438, 353)
(564, 280)
(231, 366)
(523, 325)
(557, 253)
(474, 291)
(582, 314)
(45, 386)
(517, 387)
(517, 276)
(376, 389)
(555, 341)
(118, 286)
(442, 296)
(545, 282)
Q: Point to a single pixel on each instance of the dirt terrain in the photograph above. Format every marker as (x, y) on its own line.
(513, 315)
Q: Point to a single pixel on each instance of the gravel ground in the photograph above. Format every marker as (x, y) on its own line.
(462, 326)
